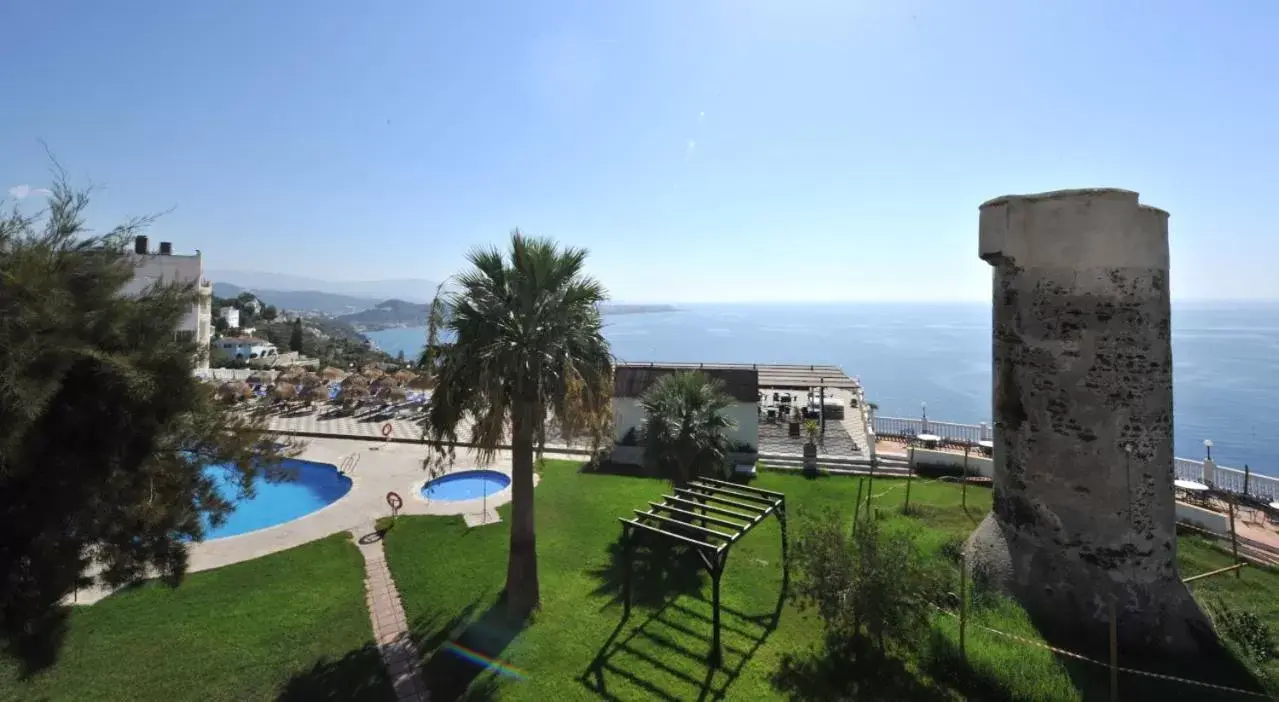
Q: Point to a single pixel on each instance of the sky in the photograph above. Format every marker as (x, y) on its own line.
(702, 150)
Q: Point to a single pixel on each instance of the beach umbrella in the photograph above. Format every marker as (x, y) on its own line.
(313, 393)
(310, 380)
(234, 390)
(284, 391)
(355, 381)
(292, 373)
(393, 393)
(332, 373)
(351, 393)
(254, 379)
(404, 376)
(371, 373)
(422, 382)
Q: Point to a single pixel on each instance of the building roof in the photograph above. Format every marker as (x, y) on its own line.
(741, 382)
(246, 340)
(777, 376)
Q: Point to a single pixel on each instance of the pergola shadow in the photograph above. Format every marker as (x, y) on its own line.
(687, 518)
(626, 657)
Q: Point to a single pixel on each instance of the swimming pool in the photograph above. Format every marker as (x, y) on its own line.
(466, 485)
(315, 485)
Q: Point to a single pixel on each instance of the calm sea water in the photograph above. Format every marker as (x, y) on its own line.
(1226, 360)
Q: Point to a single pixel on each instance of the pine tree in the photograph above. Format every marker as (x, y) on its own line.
(295, 336)
(107, 440)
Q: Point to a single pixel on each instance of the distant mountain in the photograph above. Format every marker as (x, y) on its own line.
(301, 300)
(409, 289)
(389, 313)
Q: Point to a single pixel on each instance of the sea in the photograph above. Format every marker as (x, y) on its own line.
(908, 356)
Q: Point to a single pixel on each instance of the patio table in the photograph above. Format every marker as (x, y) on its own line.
(929, 440)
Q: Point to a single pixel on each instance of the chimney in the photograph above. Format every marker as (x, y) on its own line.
(166, 248)
(140, 245)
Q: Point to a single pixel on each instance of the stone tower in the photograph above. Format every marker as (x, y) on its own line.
(1084, 511)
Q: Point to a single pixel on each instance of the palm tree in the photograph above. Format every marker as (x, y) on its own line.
(524, 343)
(685, 426)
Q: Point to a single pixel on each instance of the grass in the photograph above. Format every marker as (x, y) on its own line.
(292, 625)
(579, 647)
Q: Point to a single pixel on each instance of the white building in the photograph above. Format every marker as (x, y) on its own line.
(632, 380)
(232, 317)
(164, 267)
(245, 348)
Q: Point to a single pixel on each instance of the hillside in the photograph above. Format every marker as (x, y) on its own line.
(301, 300)
(387, 314)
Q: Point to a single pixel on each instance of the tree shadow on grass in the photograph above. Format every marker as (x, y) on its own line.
(462, 655)
(861, 672)
(659, 569)
(358, 675)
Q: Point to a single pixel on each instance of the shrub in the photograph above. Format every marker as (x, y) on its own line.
(1245, 629)
(869, 587)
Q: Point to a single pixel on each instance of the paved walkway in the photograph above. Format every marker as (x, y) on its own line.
(390, 628)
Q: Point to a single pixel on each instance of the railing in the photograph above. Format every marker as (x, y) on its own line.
(902, 427)
(1223, 478)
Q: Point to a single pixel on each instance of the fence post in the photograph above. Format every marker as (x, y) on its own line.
(963, 605)
(1114, 655)
(1234, 540)
(910, 477)
(985, 432)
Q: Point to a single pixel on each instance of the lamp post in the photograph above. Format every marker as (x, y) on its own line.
(923, 408)
(1208, 448)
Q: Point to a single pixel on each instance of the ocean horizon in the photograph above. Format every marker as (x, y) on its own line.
(1225, 359)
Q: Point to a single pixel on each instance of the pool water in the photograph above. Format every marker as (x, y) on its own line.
(466, 485)
(315, 485)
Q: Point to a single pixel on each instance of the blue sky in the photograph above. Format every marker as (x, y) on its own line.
(703, 151)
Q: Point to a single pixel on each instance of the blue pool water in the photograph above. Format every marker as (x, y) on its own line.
(315, 485)
(466, 485)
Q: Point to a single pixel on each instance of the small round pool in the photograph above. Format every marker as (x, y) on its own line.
(466, 485)
(314, 485)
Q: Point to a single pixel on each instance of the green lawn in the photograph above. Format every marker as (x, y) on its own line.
(579, 647)
(292, 625)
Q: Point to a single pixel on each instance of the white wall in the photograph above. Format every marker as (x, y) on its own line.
(977, 463)
(628, 413)
(155, 268)
(232, 317)
(1203, 518)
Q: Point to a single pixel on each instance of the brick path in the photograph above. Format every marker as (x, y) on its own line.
(390, 629)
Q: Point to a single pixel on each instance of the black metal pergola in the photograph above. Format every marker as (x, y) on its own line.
(688, 516)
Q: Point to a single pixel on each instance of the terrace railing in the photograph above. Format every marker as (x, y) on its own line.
(904, 428)
(1223, 478)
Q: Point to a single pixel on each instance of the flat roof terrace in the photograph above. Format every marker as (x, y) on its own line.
(777, 376)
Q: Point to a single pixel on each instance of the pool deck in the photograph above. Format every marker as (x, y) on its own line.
(383, 467)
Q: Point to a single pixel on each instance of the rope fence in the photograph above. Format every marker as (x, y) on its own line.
(1113, 668)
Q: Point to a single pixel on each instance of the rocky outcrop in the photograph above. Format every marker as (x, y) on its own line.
(1084, 505)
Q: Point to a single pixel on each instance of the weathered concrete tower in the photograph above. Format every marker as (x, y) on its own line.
(1084, 511)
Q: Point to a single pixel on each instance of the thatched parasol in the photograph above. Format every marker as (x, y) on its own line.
(371, 373)
(354, 381)
(352, 392)
(332, 373)
(310, 380)
(394, 393)
(234, 390)
(404, 376)
(255, 379)
(422, 382)
(313, 393)
(291, 373)
(284, 391)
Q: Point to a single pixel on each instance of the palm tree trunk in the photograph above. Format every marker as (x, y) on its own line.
(522, 589)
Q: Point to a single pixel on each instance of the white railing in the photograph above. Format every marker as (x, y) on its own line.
(1222, 478)
(948, 431)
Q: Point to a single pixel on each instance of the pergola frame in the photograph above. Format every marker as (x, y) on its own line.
(726, 512)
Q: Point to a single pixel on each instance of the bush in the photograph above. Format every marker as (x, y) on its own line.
(869, 587)
(1245, 629)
